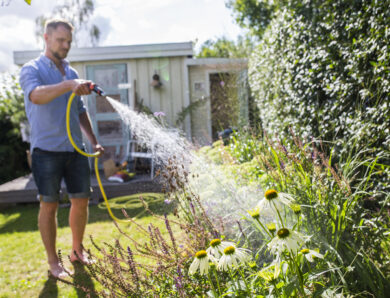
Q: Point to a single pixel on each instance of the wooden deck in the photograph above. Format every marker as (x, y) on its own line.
(24, 190)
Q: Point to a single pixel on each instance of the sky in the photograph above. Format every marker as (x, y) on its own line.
(121, 22)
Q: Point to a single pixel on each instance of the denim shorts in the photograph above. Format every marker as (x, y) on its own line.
(49, 168)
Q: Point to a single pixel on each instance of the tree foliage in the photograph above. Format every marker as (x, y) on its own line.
(253, 14)
(13, 162)
(223, 47)
(79, 13)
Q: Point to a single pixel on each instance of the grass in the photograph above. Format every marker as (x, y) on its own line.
(23, 267)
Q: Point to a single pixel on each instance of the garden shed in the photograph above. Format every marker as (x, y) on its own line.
(200, 96)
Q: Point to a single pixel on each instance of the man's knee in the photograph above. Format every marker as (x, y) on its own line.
(79, 202)
(49, 207)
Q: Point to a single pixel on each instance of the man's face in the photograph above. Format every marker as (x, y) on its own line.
(58, 41)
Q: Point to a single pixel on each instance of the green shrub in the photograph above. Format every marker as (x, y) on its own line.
(322, 69)
(13, 161)
(346, 221)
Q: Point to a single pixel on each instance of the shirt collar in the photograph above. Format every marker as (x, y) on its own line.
(50, 63)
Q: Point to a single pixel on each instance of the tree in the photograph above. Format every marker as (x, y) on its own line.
(254, 15)
(79, 13)
(225, 48)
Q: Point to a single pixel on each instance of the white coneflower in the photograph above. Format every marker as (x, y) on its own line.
(233, 256)
(311, 254)
(274, 201)
(217, 246)
(286, 239)
(201, 262)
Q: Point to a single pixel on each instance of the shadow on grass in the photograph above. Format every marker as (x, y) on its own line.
(82, 281)
(24, 218)
(50, 289)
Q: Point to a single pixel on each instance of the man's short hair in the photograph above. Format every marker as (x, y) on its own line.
(54, 23)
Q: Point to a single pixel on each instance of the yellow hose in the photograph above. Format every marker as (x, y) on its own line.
(96, 155)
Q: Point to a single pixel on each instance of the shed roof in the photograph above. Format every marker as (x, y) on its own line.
(116, 52)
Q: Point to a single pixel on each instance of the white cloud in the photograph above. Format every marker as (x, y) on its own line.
(122, 22)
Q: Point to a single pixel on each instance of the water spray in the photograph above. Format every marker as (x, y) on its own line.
(95, 88)
(223, 197)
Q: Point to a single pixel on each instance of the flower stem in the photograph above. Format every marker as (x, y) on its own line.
(212, 285)
(231, 276)
(216, 278)
(280, 218)
(243, 278)
(266, 230)
(299, 273)
(276, 289)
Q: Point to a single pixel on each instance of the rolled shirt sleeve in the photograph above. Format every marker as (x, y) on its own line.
(29, 80)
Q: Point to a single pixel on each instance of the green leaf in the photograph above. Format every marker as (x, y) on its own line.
(28, 2)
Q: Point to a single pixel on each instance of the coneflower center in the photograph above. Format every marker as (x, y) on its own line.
(229, 250)
(305, 251)
(215, 242)
(271, 194)
(201, 254)
(283, 233)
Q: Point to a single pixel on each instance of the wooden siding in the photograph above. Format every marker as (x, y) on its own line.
(169, 98)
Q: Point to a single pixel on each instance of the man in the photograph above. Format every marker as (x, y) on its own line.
(47, 83)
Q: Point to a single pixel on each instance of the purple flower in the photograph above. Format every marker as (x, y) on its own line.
(167, 201)
(222, 83)
(159, 114)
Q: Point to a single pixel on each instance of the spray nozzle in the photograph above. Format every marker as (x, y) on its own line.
(95, 88)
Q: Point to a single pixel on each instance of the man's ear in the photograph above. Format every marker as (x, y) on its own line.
(45, 36)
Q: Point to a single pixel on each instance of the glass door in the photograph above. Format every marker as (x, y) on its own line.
(110, 131)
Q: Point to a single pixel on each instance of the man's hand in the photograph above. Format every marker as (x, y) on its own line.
(99, 148)
(81, 87)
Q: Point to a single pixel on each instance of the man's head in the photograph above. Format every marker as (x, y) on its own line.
(58, 38)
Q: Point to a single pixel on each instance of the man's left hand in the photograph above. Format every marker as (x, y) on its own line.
(99, 148)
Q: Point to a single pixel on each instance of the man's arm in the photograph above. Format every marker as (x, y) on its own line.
(46, 93)
(86, 127)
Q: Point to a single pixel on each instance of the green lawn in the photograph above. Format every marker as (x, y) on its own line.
(23, 267)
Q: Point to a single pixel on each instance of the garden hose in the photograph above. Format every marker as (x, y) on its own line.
(95, 155)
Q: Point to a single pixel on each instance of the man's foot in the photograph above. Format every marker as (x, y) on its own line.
(82, 258)
(57, 271)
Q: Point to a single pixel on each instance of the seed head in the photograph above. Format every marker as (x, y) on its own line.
(201, 254)
(271, 194)
(215, 242)
(283, 233)
(229, 250)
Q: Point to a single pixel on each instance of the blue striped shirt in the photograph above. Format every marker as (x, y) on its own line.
(47, 121)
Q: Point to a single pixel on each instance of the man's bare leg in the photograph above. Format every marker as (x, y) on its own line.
(47, 223)
(78, 218)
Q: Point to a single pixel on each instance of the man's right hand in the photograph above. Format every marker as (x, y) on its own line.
(81, 87)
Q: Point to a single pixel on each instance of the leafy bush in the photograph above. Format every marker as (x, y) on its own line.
(322, 69)
(13, 161)
(335, 214)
